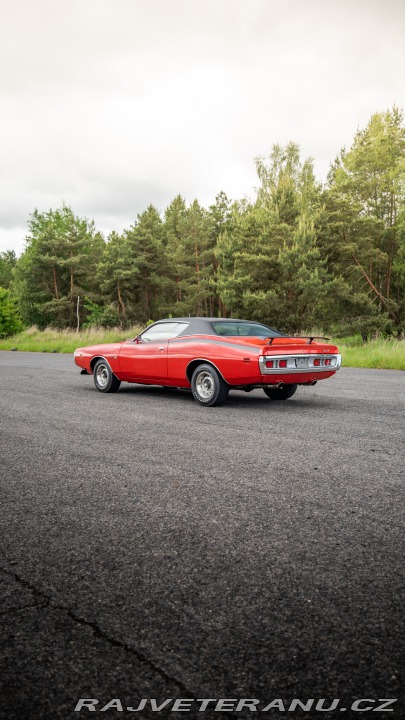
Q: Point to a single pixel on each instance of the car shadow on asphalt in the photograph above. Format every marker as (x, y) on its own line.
(236, 399)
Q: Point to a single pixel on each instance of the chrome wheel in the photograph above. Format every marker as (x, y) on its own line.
(102, 375)
(104, 379)
(205, 385)
(208, 387)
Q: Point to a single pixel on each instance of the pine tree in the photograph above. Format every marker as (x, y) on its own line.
(117, 276)
(57, 266)
(145, 240)
(8, 261)
(370, 178)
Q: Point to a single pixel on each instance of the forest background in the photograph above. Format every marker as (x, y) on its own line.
(298, 256)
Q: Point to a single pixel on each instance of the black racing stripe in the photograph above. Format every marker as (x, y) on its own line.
(201, 341)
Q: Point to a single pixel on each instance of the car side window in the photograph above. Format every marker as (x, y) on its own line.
(163, 331)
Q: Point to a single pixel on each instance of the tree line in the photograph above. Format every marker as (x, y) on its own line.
(299, 256)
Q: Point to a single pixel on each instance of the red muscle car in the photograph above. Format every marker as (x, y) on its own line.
(211, 356)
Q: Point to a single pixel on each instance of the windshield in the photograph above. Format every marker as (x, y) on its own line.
(245, 329)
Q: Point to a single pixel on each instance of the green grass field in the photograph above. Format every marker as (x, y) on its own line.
(64, 341)
(380, 353)
(388, 354)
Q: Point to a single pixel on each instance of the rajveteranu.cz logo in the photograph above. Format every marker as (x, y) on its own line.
(237, 705)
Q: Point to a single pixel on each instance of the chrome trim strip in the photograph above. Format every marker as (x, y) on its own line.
(294, 370)
(218, 341)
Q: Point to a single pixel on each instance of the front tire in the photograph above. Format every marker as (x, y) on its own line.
(208, 387)
(104, 378)
(280, 393)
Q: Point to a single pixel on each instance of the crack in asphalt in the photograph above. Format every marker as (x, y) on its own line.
(22, 607)
(98, 632)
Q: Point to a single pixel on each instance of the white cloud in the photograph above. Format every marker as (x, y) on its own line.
(109, 105)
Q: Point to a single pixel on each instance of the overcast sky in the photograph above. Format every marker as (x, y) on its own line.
(109, 105)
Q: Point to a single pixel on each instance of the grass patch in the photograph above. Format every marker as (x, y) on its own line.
(386, 354)
(382, 354)
(64, 341)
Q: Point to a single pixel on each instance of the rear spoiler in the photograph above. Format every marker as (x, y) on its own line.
(310, 338)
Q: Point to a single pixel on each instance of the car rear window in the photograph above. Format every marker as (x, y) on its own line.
(245, 329)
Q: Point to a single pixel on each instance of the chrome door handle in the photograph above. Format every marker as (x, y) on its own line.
(161, 347)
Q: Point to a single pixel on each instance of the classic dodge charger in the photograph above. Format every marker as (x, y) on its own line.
(211, 356)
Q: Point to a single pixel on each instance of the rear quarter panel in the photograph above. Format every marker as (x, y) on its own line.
(237, 362)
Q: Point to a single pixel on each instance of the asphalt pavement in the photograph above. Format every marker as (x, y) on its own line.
(152, 548)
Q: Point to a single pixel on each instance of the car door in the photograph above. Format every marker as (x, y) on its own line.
(144, 359)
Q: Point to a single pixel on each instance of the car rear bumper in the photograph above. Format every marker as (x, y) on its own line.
(300, 365)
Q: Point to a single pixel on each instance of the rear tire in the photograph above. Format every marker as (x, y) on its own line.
(104, 378)
(208, 387)
(280, 393)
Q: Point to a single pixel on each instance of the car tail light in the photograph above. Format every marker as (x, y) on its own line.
(327, 361)
(317, 362)
(282, 363)
(269, 363)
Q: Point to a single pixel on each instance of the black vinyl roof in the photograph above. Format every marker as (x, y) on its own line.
(204, 325)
